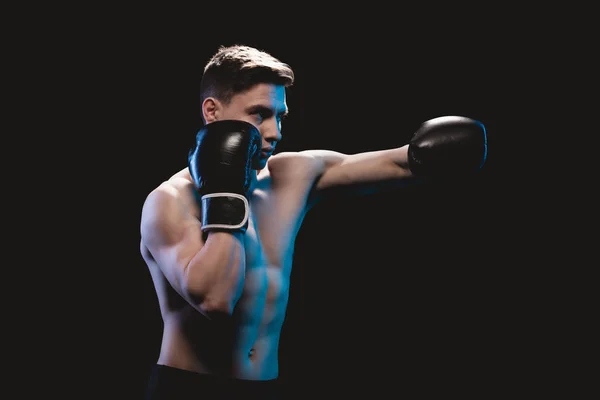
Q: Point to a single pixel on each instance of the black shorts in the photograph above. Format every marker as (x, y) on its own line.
(178, 384)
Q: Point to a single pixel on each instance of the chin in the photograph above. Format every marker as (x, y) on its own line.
(263, 162)
(259, 164)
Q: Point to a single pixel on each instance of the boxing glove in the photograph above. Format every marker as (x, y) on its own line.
(447, 146)
(220, 165)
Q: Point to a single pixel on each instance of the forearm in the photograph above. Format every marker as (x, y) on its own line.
(396, 157)
(220, 165)
(214, 277)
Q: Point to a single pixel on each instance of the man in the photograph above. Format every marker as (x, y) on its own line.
(218, 236)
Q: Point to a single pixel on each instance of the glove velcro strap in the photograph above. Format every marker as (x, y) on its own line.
(227, 211)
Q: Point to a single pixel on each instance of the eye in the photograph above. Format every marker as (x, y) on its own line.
(260, 115)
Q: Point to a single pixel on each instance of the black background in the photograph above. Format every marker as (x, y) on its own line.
(436, 288)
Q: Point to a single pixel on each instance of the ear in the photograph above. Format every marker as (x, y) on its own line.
(210, 109)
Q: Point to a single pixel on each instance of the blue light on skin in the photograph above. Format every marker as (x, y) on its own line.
(485, 147)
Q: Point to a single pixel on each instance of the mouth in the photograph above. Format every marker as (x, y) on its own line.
(266, 152)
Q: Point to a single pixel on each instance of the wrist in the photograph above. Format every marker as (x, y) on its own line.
(224, 211)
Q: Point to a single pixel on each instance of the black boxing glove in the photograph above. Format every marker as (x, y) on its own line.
(220, 165)
(447, 146)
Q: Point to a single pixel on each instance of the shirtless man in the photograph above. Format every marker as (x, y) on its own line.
(218, 236)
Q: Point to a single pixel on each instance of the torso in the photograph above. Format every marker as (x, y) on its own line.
(247, 348)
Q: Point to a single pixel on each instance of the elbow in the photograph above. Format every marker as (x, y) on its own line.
(213, 282)
(209, 297)
(213, 306)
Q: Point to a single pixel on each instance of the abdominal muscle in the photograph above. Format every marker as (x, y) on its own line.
(244, 346)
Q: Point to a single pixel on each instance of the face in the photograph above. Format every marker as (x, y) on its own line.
(264, 106)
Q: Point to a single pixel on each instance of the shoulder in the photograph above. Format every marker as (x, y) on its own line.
(174, 190)
(168, 210)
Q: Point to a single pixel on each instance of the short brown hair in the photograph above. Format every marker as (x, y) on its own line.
(234, 69)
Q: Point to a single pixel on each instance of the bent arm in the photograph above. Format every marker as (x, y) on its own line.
(360, 173)
(208, 274)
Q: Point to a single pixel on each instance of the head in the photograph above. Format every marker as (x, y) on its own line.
(244, 83)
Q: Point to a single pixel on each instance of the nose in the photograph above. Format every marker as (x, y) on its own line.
(272, 131)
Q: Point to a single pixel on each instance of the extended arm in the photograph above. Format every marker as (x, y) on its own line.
(444, 147)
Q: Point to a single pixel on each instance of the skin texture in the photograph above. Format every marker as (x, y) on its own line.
(223, 297)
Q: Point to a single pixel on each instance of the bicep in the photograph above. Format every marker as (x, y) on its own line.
(172, 236)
